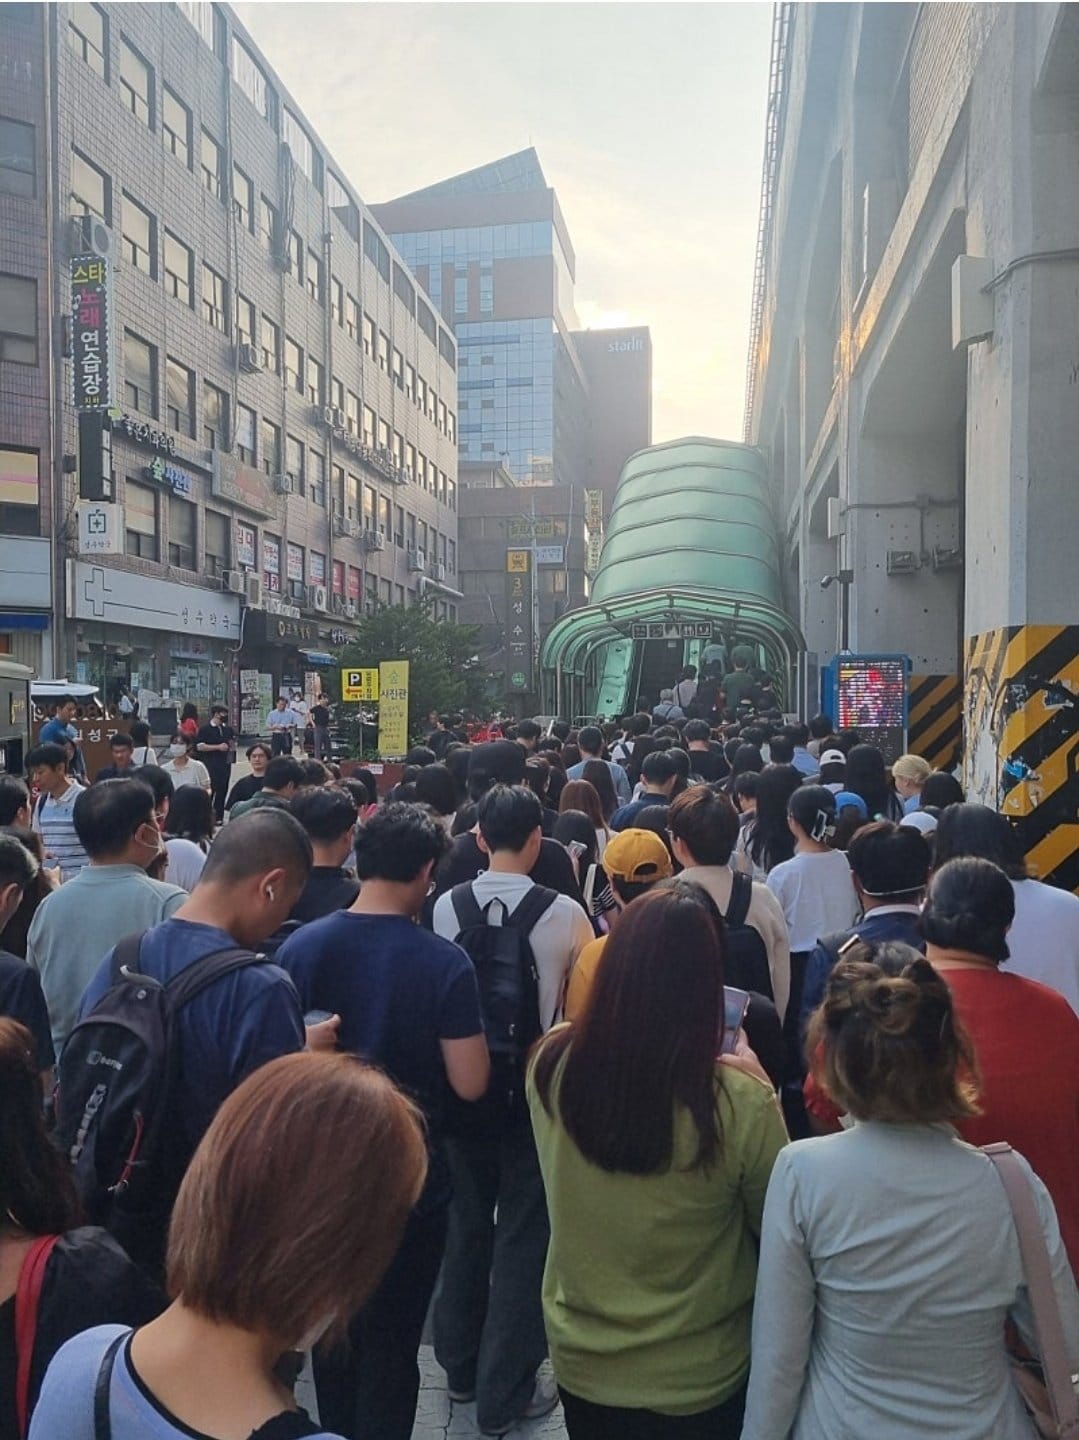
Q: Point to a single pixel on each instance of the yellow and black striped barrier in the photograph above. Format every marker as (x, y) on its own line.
(1021, 722)
(935, 719)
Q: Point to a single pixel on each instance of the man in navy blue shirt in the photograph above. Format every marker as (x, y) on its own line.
(890, 868)
(409, 1003)
(252, 878)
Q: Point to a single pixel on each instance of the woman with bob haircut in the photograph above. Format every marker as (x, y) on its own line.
(889, 1256)
(655, 1157)
(289, 1214)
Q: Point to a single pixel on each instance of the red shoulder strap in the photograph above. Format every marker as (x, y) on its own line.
(27, 1297)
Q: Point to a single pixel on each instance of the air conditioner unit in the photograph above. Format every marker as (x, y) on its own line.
(342, 525)
(233, 581)
(374, 540)
(401, 476)
(319, 597)
(249, 358)
(90, 236)
(340, 419)
(253, 591)
(284, 484)
(438, 570)
(417, 560)
(337, 604)
(351, 609)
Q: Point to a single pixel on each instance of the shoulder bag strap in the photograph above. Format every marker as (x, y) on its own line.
(126, 954)
(27, 1299)
(102, 1415)
(589, 887)
(466, 907)
(741, 897)
(532, 908)
(1043, 1300)
(195, 978)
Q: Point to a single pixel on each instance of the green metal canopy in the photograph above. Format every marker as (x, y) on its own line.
(690, 538)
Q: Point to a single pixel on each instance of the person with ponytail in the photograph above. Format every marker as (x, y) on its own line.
(56, 1277)
(889, 1259)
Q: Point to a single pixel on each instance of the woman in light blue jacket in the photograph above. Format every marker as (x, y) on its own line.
(889, 1258)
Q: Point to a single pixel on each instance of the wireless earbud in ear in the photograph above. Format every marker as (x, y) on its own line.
(270, 893)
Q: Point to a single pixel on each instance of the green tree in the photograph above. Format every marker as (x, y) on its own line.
(444, 673)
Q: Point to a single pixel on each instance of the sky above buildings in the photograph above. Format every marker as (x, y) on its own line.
(648, 119)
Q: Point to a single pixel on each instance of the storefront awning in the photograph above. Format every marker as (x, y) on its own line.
(318, 657)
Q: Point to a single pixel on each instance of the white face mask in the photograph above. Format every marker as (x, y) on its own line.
(177, 749)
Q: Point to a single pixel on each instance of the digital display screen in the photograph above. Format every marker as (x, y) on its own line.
(871, 697)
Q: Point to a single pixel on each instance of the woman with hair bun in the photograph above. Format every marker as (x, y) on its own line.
(889, 1259)
(1026, 1036)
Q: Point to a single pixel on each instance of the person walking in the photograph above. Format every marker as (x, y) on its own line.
(889, 1259)
(488, 1317)
(53, 813)
(214, 746)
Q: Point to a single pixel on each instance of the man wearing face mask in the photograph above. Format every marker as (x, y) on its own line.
(107, 899)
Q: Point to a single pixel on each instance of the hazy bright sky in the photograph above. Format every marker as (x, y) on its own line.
(648, 120)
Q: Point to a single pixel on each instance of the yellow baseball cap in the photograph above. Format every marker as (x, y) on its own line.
(639, 856)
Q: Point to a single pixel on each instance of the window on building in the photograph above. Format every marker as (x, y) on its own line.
(410, 382)
(398, 369)
(140, 378)
(271, 447)
(487, 290)
(370, 507)
(218, 549)
(267, 224)
(215, 417)
(180, 397)
(337, 393)
(352, 413)
(210, 164)
(293, 365)
(138, 231)
(460, 294)
(249, 76)
(271, 346)
(451, 426)
(337, 301)
(18, 320)
(140, 521)
(201, 14)
(384, 435)
(214, 294)
(314, 276)
(176, 126)
(442, 416)
(245, 321)
(315, 391)
(295, 257)
(353, 497)
(383, 352)
(20, 512)
(294, 463)
(243, 198)
(451, 557)
(90, 189)
(88, 36)
(179, 268)
(404, 289)
(451, 493)
(370, 329)
(136, 83)
(421, 393)
(410, 461)
(370, 593)
(246, 422)
(303, 151)
(374, 247)
(368, 426)
(338, 490)
(182, 532)
(385, 515)
(18, 159)
(316, 479)
(352, 317)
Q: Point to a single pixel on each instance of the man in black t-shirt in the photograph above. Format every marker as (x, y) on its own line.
(329, 817)
(320, 721)
(213, 746)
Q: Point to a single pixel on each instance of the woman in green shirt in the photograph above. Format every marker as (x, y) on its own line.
(655, 1159)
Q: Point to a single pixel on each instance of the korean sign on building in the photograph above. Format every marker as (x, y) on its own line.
(392, 708)
(101, 528)
(91, 367)
(519, 630)
(593, 519)
(359, 684)
(245, 545)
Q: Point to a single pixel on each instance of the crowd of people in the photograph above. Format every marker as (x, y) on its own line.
(662, 1048)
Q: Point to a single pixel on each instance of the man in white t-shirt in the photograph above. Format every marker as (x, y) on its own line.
(497, 1174)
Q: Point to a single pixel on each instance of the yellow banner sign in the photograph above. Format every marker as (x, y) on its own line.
(359, 684)
(517, 561)
(393, 708)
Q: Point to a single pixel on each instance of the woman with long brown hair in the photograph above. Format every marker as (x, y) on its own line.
(583, 795)
(599, 777)
(655, 1159)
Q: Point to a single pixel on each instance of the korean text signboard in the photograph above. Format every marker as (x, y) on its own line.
(359, 684)
(519, 632)
(392, 708)
(91, 368)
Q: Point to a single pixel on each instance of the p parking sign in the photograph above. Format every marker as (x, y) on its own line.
(359, 684)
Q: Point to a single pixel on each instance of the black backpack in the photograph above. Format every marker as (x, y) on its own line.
(509, 1001)
(115, 1089)
(747, 955)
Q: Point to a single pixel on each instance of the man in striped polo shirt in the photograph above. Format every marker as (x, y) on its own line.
(54, 811)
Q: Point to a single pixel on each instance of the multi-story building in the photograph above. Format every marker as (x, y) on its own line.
(913, 375)
(281, 397)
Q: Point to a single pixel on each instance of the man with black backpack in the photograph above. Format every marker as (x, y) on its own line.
(523, 940)
(173, 1020)
(703, 829)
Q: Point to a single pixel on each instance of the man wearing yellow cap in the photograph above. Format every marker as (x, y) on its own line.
(634, 860)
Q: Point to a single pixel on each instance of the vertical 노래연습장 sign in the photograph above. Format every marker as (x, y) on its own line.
(91, 367)
(519, 629)
(392, 708)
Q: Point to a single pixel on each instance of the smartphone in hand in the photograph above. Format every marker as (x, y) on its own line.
(735, 1005)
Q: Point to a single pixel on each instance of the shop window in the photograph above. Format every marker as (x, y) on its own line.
(182, 521)
(140, 374)
(180, 397)
(215, 417)
(217, 543)
(18, 320)
(140, 521)
(19, 492)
